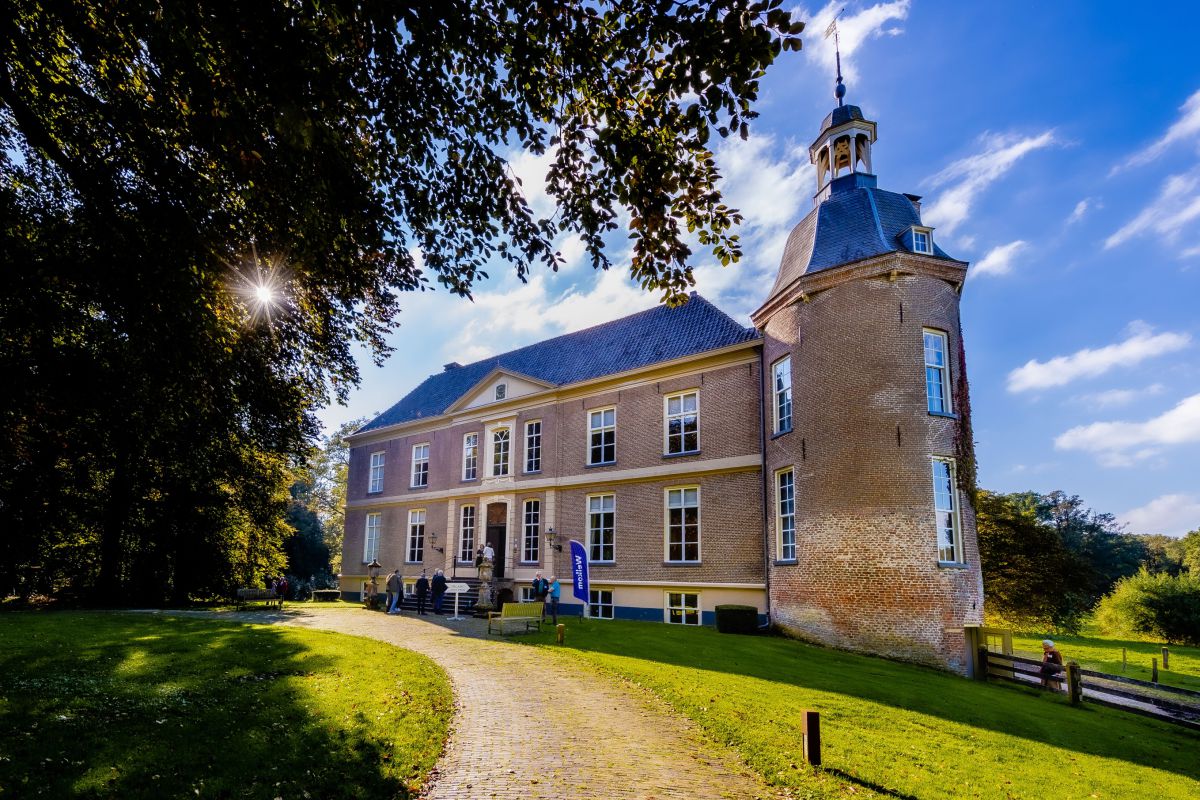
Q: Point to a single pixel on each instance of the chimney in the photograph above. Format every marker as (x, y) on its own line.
(915, 199)
(451, 365)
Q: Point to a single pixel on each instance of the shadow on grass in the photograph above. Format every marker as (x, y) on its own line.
(122, 705)
(1008, 710)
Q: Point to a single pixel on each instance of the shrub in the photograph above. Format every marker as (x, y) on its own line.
(737, 619)
(1164, 606)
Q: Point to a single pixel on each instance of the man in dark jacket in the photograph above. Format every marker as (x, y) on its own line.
(541, 588)
(422, 592)
(439, 590)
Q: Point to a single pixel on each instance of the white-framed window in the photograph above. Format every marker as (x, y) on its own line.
(533, 446)
(466, 534)
(682, 423)
(781, 378)
(602, 436)
(937, 371)
(420, 465)
(683, 608)
(945, 509)
(683, 525)
(527, 595)
(501, 391)
(416, 536)
(470, 456)
(532, 532)
(501, 442)
(785, 513)
(923, 241)
(602, 515)
(376, 483)
(371, 539)
(600, 603)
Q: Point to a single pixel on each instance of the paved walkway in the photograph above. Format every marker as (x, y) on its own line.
(532, 724)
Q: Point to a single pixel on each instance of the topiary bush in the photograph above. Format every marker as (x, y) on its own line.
(737, 619)
(1164, 606)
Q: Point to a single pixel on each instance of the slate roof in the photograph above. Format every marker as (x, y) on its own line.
(857, 221)
(639, 340)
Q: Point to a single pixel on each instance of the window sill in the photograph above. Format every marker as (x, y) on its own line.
(422, 486)
(680, 455)
(601, 563)
(952, 565)
(781, 433)
(943, 414)
(529, 563)
(469, 480)
(785, 562)
(681, 563)
(377, 491)
(600, 464)
(532, 472)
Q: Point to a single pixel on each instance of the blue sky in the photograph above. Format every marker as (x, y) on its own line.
(1058, 149)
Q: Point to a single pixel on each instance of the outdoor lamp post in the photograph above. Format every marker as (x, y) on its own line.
(373, 573)
(552, 539)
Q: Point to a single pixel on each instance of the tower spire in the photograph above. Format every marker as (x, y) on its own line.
(839, 90)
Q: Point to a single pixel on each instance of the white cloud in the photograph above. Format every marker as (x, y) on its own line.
(1140, 344)
(1171, 213)
(1082, 208)
(1185, 128)
(531, 170)
(999, 260)
(966, 178)
(1172, 514)
(1122, 443)
(854, 30)
(1114, 398)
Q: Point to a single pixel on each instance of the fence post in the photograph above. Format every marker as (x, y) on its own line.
(810, 736)
(1166, 654)
(1074, 683)
(1122, 659)
(1154, 670)
(982, 672)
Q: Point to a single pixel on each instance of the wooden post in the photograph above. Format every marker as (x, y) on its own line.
(982, 672)
(1154, 670)
(1074, 683)
(1166, 654)
(810, 738)
(1122, 659)
(561, 630)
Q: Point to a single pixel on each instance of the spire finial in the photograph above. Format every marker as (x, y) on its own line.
(839, 91)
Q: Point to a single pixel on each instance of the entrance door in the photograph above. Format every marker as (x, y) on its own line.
(497, 519)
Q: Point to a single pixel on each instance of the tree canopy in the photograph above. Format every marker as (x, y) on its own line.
(162, 165)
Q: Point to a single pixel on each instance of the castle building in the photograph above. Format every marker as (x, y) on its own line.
(811, 466)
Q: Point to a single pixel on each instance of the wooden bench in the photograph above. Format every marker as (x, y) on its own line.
(326, 595)
(253, 594)
(514, 613)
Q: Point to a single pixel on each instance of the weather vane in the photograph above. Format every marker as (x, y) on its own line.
(840, 91)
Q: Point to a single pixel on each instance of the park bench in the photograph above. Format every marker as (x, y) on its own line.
(252, 594)
(516, 613)
(326, 594)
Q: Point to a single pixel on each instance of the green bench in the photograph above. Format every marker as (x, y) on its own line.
(526, 614)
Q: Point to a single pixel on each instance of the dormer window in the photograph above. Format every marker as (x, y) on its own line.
(923, 240)
(501, 390)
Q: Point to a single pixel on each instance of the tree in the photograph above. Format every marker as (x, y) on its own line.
(162, 165)
(324, 490)
(1191, 551)
(1166, 607)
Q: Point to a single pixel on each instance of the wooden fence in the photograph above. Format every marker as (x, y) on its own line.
(1166, 703)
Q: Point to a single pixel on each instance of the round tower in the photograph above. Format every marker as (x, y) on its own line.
(869, 459)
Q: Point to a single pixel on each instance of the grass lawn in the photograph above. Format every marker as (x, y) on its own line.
(1094, 651)
(100, 704)
(888, 728)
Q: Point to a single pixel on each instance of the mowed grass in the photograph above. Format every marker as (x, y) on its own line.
(100, 704)
(1094, 650)
(889, 729)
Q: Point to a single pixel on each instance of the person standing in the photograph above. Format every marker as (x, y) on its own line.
(541, 588)
(281, 589)
(489, 555)
(395, 590)
(555, 594)
(439, 590)
(422, 592)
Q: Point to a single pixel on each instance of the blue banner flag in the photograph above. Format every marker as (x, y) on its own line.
(579, 572)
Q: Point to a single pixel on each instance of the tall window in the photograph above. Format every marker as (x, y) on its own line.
(683, 423)
(785, 501)
(602, 510)
(416, 535)
(501, 439)
(466, 534)
(683, 608)
(376, 484)
(470, 456)
(602, 436)
(371, 540)
(683, 524)
(420, 465)
(600, 603)
(782, 377)
(945, 509)
(533, 446)
(937, 374)
(533, 531)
